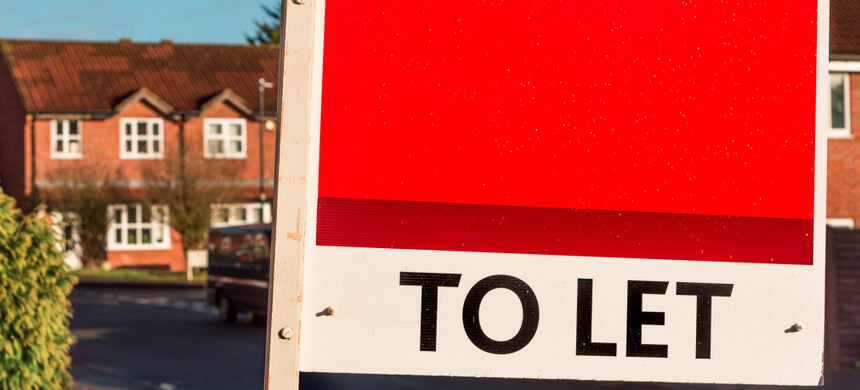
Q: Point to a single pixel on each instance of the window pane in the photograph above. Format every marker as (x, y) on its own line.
(141, 147)
(241, 214)
(236, 146)
(74, 146)
(141, 128)
(73, 127)
(158, 233)
(155, 128)
(128, 128)
(132, 214)
(235, 129)
(59, 125)
(59, 146)
(145, 216)
(258, 215)
(118, 236)
(132, 236)
(156, 147)
(128, 145)
(117, 215)
(146, 236)
(216, 147)
(215, 129)
(67, 236)
(222, 215)
(837, 101)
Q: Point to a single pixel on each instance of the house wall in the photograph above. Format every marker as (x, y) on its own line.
(172, 259)
(13, 127)
(100, 147)
(101, 150)
(246, 171)
(843, 165)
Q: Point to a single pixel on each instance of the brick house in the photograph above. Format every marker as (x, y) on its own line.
(843, 148)
(123, 105)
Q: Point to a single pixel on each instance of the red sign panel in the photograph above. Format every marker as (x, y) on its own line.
(628, 128)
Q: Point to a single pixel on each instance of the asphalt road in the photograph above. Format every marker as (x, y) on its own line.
(143, 338)
(146, 338)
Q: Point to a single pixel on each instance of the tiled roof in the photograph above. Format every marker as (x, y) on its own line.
(94, 76)
(844, 27)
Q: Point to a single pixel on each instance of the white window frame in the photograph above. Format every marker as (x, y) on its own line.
(225, 137)
(125, 225)
(72, 240)
(234, 210)
(841, 223)
(149, 138)
(840, 133)
(66, 138)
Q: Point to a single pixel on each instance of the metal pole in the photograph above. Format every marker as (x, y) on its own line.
(261, 86)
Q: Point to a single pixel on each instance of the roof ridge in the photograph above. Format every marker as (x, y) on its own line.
(137, 43)
(61, 76)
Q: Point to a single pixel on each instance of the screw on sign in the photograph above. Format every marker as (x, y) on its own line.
(625, 191)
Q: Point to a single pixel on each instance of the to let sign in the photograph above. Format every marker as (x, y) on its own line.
(609, 190)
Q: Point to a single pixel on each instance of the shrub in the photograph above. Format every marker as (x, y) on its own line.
(34, 308)
(82, 191)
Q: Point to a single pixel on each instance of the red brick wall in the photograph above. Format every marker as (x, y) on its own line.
(843, 165)
(247, 169)
(173, 258)
(13, 126)
(100, 145)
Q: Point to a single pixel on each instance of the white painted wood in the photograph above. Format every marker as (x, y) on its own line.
(844, 66)
(296, 115)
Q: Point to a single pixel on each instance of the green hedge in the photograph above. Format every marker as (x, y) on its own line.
(34, 308)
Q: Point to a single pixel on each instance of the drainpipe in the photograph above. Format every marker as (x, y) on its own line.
(262, 84)
(34, 194)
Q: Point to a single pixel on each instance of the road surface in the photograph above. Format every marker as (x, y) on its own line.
(151, 338)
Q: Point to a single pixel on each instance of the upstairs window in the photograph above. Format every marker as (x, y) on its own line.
(135, 226)
(840, 106)
(141, 138)
(224, 138)
(65, 138)
(234, 214)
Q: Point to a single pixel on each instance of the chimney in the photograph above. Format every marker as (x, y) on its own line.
(167, 42)
(125, 41)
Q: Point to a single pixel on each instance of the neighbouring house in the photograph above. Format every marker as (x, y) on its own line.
(843, 148)
(126, 107)
(843, 188)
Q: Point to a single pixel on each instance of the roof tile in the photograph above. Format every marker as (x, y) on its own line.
(92, 76)
(844, 27)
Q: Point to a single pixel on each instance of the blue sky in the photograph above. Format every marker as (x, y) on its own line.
(189, 21)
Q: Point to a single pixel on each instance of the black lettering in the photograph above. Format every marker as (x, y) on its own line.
(472, 306)
(636, 318)
(430, 284)
(584, 310)
(704, 314)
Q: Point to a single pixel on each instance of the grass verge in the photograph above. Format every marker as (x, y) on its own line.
(132, 274)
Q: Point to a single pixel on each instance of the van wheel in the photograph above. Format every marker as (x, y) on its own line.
(225, 309)
(258, 319)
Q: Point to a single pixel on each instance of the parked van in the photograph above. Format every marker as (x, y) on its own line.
(238, 279)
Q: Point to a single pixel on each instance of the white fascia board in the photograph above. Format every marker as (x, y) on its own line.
(844, 66)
